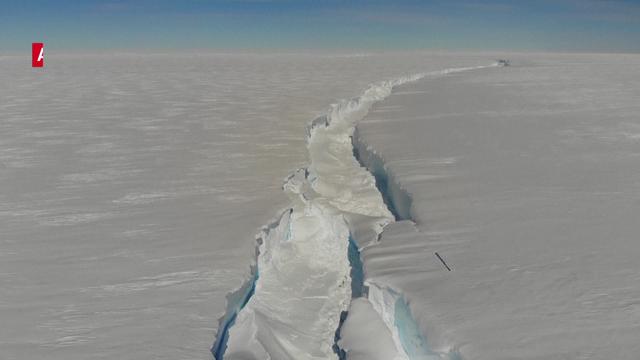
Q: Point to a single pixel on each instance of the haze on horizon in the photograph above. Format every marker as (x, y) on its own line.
(563, 25)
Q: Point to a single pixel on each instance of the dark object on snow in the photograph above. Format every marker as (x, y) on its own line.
(442, 260)
(503, 62)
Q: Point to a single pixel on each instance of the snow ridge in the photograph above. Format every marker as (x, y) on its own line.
(308, 274)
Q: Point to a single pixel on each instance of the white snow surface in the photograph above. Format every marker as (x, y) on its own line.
(131, 187)
(526, 180)
(132, 184)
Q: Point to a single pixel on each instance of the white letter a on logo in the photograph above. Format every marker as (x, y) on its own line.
(41, 56)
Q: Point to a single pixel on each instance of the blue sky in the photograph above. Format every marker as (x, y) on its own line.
(566, 25)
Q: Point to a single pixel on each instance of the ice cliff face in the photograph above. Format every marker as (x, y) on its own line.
(308, 269)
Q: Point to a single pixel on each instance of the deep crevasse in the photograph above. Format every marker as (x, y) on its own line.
(294, 307)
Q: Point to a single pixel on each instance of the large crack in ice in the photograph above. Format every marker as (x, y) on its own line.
(395, 197)
(238, 299)
(309, 259)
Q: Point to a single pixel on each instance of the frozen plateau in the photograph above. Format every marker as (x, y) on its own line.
(320, 205)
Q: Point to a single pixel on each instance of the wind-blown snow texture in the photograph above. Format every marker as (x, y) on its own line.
(526, 179)
(131, 187)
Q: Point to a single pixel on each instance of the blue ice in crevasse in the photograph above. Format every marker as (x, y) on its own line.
(413, 343)
(411, 338)
(357, 289)
(397, 200)
(236, 303)
(357, 269)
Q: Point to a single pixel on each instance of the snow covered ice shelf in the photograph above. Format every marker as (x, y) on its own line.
(526, 179)
(132, 186)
